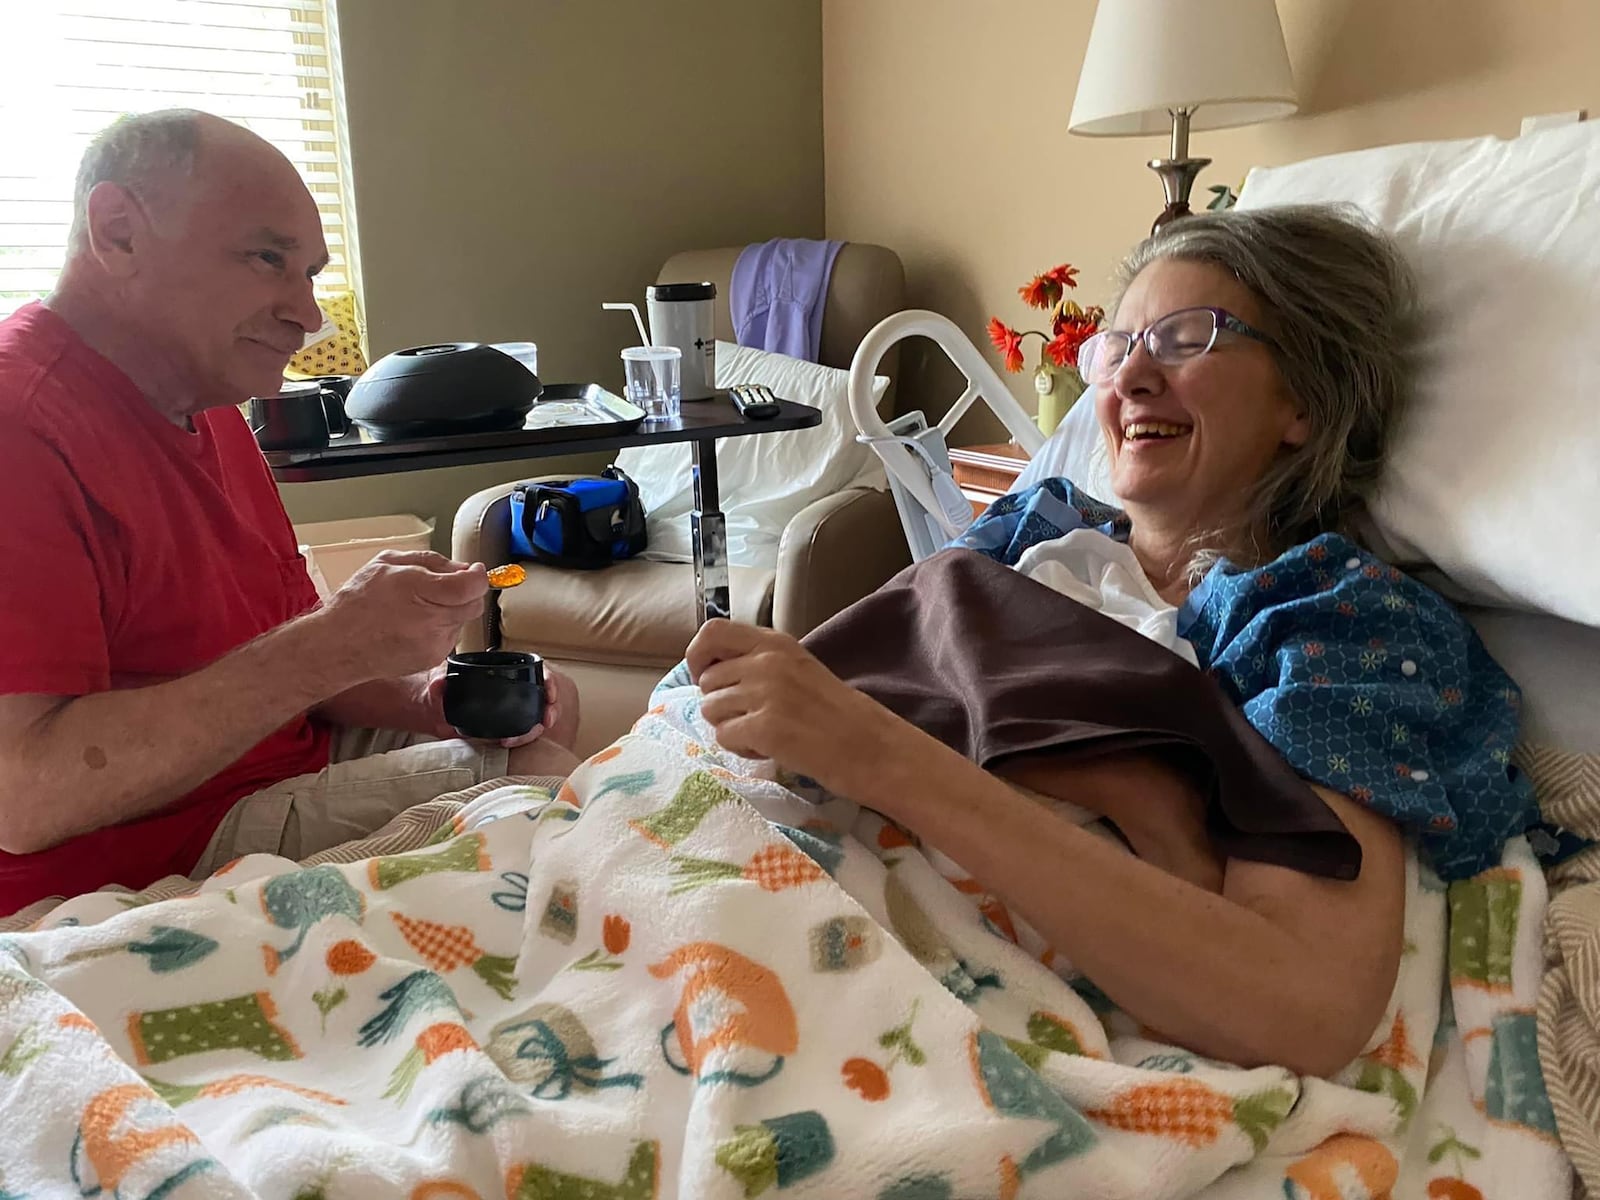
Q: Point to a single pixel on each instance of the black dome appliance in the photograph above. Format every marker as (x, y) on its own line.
(452, 387)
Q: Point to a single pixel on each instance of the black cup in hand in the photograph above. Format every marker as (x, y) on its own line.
(494, 694)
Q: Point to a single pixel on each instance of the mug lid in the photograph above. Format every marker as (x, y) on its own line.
(651, 353)
(681, 291)
(494, 658)
(298, 387)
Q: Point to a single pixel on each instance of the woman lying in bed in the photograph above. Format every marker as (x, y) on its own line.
(1244, 391)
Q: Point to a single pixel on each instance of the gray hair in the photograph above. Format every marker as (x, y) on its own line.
(137, 152)
(1341, 303)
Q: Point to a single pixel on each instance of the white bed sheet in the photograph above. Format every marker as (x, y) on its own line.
(1556, 663)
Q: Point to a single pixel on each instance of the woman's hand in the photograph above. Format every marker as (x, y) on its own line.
(767, 696)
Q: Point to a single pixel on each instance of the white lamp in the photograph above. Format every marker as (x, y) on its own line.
(1155, 65)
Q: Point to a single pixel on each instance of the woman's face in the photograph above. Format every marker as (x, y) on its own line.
(1218, 420)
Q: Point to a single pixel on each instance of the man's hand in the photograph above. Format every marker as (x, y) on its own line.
(403, 611)
(767, 696)
(69, 765)
(433, 704)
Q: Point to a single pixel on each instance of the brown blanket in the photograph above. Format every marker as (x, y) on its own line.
(994, 665)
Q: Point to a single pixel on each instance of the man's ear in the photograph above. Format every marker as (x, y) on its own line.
(115, 228)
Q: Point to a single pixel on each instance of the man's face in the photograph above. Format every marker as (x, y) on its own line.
(223, 278)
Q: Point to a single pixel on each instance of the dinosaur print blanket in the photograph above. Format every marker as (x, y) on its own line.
(677, 976)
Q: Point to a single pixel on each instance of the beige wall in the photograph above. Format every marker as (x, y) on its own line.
(945, 131)
(516, 162)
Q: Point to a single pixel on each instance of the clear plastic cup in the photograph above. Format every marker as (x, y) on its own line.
(526, 353)
(654, 379)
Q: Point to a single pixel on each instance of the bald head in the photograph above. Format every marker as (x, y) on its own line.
(195, 242)
(151, 154)
(167, 158)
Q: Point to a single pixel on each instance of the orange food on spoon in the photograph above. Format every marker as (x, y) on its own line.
(507, 576)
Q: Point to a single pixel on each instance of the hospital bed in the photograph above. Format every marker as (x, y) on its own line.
(1489, 495)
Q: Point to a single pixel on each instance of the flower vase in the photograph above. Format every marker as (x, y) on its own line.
(1058, 389)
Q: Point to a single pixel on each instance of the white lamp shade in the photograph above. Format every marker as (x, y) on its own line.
(1223, 58)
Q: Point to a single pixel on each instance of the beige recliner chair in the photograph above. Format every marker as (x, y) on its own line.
(618, 630)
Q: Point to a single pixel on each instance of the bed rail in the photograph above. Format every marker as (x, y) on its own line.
(982, 383)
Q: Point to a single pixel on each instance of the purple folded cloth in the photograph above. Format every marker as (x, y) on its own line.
(776, 295)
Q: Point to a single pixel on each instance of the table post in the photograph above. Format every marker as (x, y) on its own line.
(709, 536)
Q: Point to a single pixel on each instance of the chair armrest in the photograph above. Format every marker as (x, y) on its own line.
(482, 529)
(834, 552)
(482, 533)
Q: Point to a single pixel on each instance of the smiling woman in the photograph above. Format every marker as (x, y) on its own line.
(1277, 344)
(1244, 392)
(1192, 412)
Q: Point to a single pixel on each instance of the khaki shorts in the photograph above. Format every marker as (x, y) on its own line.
(412, 829)
(372, 776)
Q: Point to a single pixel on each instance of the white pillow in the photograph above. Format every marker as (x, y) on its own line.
(1075, 451)
(1552, 662)
(764, 480)
(1495, 473)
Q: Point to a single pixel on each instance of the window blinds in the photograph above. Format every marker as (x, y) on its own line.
(68, 68)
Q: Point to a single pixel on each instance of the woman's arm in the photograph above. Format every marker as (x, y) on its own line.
(1279, 968)
(1156, 808)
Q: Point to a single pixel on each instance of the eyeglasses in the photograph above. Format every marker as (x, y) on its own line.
(1184, 334)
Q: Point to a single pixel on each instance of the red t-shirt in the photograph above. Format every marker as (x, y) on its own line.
(132, 552)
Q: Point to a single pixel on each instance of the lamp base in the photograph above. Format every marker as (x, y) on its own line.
(1170, 214)
(1177, 181)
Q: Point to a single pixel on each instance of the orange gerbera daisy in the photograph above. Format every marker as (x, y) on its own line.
(1040, 292)
(1008, 341)
(1071, 333)
(1064, 276)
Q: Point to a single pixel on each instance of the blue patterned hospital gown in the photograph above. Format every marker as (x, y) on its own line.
(1366, 681)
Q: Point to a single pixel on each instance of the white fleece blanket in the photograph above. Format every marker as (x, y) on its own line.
(678, 978)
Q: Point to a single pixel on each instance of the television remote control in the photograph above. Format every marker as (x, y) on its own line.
(754, 401)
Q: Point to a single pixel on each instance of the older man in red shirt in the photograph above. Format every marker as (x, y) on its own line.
(171, 692)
